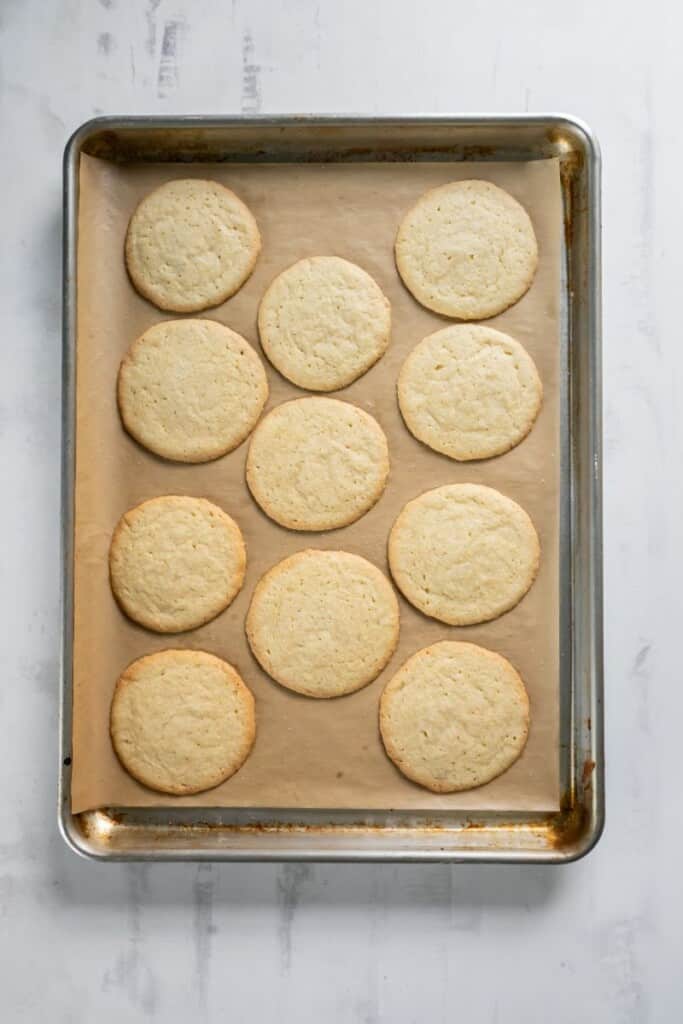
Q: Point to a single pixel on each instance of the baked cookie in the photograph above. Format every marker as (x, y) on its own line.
(317, 463)
(191, 390)
(175, 562)
(467, 250)
(463, 553)
(191, 244)
(323, 623)
(323, 322)
(182, 721)
(469, 392)
(454, 717)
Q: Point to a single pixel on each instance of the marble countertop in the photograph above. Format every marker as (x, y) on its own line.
(597, 940)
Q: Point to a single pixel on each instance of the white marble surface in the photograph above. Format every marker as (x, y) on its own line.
(599, 940)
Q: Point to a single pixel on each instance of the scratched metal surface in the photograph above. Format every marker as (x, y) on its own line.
(344, 943)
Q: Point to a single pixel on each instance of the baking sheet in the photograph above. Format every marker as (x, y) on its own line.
(308, 754)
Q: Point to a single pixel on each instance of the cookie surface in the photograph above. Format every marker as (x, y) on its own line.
(467, 250)
(182, 721)
(175, 562)
(323, 322)
(191, 390)
(454, 716)
(190, 245)
(317, 463)
(463, 553)
(323, 623)
(469, 392)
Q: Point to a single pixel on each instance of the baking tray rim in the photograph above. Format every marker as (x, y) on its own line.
(573, 832)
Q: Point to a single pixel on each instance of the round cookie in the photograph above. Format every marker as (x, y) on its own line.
(323, 322)
(323, 623)
(182, 721)
(463, 553)
(317, 463)
(191, 244)
(454, 717)
(175, 562)
(469, 392)
(191, 390)
(467, 250)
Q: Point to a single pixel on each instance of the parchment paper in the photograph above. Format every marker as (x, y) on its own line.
(308, 753)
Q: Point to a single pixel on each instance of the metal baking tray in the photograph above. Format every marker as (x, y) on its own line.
(222, 834)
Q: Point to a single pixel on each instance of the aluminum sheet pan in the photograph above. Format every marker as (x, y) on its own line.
(220, 834)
